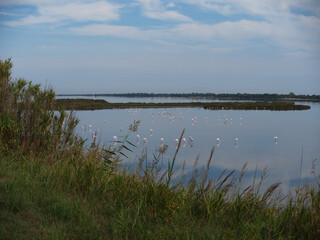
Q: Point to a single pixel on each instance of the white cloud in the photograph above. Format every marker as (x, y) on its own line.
(31, 20)
(290, 24)
(190, 31)
(97, 11)
(266, 8)
(8, 14)
(230, 34)
(299, 34)
(155, 9)
(33, 2)
(231, 31)
(111, 30)
(166, 15)
(278, 25)
(171, 5)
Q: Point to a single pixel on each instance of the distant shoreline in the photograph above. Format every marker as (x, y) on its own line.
(208, 96)
(92, 104)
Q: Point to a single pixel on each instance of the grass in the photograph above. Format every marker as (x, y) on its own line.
(85, 199)
(91, 104)
(52, 187)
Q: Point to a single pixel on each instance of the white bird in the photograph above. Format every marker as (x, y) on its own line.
(94, 139)
(218, 142)
(184, 142)
(162, 141)
(191, 141)
(114, 140)
(145, 141)
(236, 142)
(177, 143)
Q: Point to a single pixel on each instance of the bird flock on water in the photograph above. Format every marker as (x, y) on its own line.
(172, 117)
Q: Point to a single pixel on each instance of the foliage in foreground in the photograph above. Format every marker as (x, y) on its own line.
(72, 199)
(28, 122)
(51, 187)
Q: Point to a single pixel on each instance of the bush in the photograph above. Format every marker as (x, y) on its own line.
(28, 124)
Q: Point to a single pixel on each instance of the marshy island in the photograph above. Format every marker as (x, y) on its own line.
(98, 104)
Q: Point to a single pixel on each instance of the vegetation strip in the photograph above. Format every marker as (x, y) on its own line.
(92, 104)
(210, 96)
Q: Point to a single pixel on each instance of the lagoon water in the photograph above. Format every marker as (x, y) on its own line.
(245, 136)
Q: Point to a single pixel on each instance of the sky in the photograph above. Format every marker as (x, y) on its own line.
(164, 46)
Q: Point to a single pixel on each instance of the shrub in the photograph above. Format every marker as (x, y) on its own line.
(28, 124)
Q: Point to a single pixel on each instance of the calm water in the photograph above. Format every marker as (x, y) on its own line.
(297, 132)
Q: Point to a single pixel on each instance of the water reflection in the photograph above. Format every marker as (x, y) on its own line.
(261, 138)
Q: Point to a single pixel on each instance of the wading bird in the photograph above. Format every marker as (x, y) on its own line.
(218, 142)
(114, 140)
(184, 142)
(145, 141)
(191, 140)
(177, 142)
(236, 142)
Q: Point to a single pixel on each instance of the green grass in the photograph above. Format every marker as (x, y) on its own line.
(91, 104)
(72, 199)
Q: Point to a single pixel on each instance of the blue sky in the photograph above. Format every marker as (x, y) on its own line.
(246, 46)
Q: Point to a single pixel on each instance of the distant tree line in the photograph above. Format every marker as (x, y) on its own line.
(213, 96)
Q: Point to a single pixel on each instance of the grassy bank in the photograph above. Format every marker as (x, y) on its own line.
(91, 104)
(72, 199)
(52, 187)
